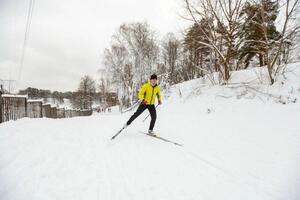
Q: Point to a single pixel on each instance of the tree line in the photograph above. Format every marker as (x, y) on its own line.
(83, 98)
(225, 36)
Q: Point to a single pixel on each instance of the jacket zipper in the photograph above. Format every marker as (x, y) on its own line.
(152, 93)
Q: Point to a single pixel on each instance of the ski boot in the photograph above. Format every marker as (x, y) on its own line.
(152, 133)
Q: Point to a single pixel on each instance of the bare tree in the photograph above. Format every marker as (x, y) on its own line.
(105, 90)
(130, 60)
(84, 96)
(142, 46)
(119, 68)
(273, 53)
(222, 33)
(171, 51)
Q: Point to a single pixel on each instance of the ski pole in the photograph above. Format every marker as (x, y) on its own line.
(149, 113)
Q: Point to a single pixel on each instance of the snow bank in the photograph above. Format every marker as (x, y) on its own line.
(245, 84)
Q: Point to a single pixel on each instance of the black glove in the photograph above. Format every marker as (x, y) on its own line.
(144, 102)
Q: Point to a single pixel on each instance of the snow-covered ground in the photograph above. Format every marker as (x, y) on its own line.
(241, 142)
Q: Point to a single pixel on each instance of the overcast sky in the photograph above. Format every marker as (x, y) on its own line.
(67, 37)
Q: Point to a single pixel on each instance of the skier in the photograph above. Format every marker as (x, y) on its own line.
(147, 96)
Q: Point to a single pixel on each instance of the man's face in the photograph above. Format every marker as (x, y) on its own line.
(153, 82)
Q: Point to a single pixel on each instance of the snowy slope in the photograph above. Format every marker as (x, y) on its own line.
(238, 144)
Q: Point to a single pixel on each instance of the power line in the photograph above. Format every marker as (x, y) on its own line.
(28, 23)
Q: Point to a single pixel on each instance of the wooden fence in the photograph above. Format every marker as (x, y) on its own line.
(34, 108)
(13, 107)
(46, 110)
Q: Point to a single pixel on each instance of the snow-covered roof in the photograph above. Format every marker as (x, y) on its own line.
(14, 95)
(34, 100)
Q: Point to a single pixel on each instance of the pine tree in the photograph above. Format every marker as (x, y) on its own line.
(195, 50)
(259, 17)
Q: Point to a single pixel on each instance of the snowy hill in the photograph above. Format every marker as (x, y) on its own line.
(241, 141)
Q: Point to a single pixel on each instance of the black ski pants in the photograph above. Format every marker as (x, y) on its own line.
(140, 110)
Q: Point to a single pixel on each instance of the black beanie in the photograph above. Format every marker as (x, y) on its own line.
(153, 76)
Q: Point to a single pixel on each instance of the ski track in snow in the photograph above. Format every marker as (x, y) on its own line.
(80, 162)
(242, 149)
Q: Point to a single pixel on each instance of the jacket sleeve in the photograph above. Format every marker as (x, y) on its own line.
(142, 93)
(159, 94)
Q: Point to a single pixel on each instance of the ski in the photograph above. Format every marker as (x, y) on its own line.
(161, 138)
(113, 137)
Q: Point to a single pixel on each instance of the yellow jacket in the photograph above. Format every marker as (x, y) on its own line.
(148, 93)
